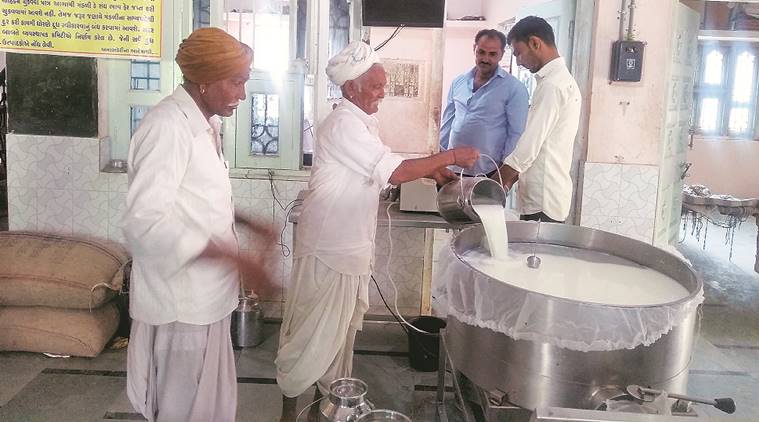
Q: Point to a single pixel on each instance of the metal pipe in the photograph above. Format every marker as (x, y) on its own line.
(622, 13)
(442, 413)
(456, 387)
(630, 35)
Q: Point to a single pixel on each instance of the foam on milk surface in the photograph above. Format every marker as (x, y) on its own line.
(579, 274)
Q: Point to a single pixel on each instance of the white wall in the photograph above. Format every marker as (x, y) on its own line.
(626, 118)
(407, 125)
(725, 167)
(458, 54)
(497, 11)
(621, 174)
(2, 60)
(457, 9)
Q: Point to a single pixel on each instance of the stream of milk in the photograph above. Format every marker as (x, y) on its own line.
(494, 223)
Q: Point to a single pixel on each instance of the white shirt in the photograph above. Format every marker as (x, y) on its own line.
(179, 198)
(351, 166)
(543, 155)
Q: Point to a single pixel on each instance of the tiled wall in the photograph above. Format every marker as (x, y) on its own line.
(406, 270)
(54, 185)
(620, 198)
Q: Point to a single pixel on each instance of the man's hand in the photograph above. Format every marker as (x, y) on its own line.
(508, 175)
(264, 231)
(252, 266)
(443, 176)
(465, 157)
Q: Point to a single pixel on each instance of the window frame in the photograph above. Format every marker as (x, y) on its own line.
(731, 50)
(177, 24)
(120, 96)
(290, 88)
(238, 128)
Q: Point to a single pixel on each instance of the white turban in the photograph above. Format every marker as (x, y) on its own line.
(352, 62)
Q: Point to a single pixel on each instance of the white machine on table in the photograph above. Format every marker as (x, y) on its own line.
(419, 196)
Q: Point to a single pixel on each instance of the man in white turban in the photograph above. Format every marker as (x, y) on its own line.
(329, 291)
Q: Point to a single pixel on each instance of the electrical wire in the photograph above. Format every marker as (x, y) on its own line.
(398, 320)
(307, 407)
(288, 208)
(397, 314)
(402, 325)
(286, 251)
(274, 190)
(393, 35)
(390, 276)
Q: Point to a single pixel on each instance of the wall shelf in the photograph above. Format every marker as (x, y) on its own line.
(719, 35)
(466, 24)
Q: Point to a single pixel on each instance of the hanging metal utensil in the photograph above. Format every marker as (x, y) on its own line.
(533, 261)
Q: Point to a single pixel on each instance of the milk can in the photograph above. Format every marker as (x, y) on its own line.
(346, 402)
(455, 199)
(247, 322)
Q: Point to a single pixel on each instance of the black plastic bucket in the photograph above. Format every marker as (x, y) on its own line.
(424, 349)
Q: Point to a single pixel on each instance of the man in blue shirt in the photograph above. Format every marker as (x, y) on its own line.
(486, 107)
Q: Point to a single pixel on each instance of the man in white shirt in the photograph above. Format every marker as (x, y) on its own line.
(328, 294)
(179, 227)
(543, 156)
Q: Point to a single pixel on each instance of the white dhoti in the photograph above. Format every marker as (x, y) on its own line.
(323, 311)
(182, 372)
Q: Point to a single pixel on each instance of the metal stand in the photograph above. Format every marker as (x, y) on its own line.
(442, 414)
(756, 263)
(443, 361)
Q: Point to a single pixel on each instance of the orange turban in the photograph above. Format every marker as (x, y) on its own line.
(210, 55)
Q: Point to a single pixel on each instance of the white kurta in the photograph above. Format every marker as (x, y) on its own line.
(179, 198)
(351, 167)
(543, 155)
(334, 246)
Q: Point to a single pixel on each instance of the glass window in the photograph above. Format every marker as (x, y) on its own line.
(267, 132)
(201, 13)
(265, 26)
(739, 120)
(264, 120)
(136, 114)
(145, 75)
(339, 34)
(713, 68)
(726, 95)
(709, 114)
(744, 78)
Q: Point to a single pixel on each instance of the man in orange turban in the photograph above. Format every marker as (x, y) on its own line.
(179, 226)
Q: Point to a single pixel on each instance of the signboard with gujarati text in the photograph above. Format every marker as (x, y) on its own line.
(94, 28)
